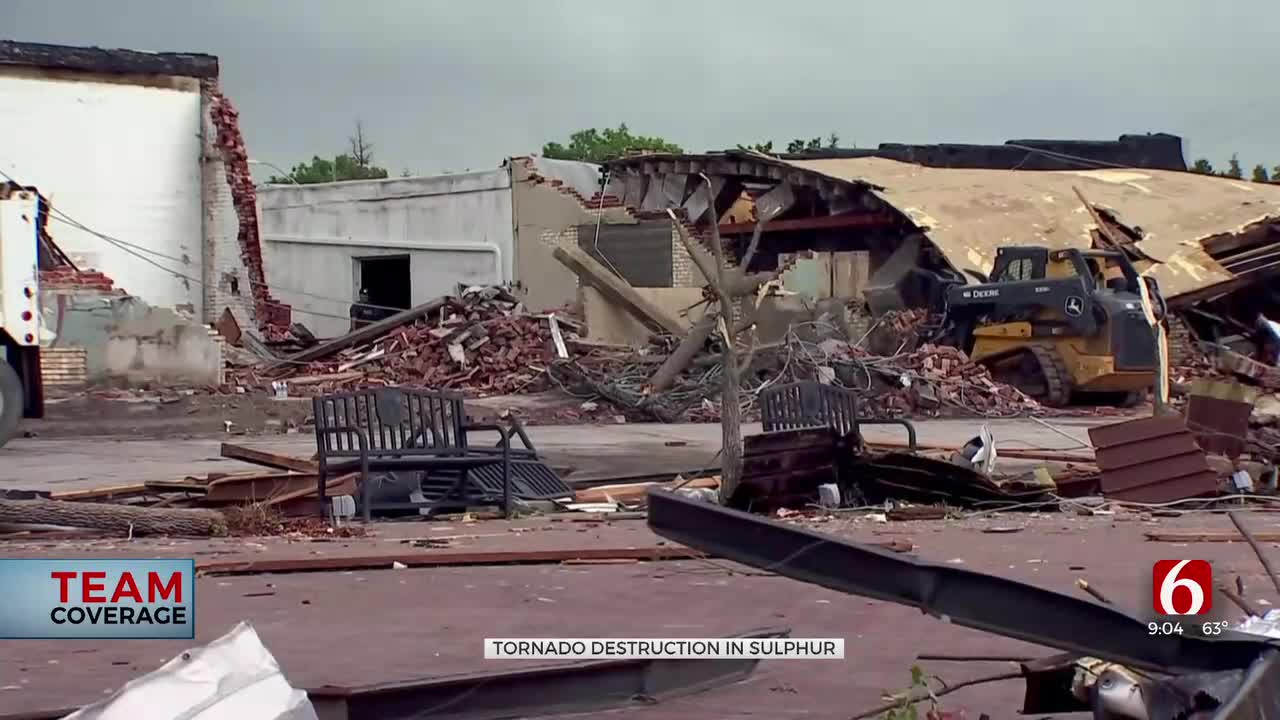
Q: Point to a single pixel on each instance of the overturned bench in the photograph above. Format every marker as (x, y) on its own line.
(412, 430)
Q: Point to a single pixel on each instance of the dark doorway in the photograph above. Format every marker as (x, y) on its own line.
(387, 280)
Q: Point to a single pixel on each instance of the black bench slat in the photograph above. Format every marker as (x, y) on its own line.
(808, 404)
(413, 429)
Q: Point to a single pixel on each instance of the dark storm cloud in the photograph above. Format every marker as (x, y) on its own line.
(463, 83)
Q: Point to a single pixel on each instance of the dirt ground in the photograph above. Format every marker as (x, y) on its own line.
(397, 625)
(407, 624)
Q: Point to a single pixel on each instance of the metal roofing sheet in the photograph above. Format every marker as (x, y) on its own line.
(970, 213)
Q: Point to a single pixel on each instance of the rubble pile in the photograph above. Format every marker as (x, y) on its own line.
(938, 376)
(481, 342)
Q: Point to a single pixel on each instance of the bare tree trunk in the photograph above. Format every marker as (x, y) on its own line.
(361, 150)
(117, 518)
(730, 415)
(728, 283)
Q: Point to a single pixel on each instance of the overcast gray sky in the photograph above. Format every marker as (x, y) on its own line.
(461, 84)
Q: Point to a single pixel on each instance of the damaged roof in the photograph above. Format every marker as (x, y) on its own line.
(969, 213)
(107, 61)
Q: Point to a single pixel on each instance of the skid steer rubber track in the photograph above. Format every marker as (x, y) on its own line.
(1038, 371)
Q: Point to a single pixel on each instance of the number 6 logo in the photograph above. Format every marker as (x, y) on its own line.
(1193, 577)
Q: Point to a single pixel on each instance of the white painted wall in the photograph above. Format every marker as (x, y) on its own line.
(455, 229)
(122, 159)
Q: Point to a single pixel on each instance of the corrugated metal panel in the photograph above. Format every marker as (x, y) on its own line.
(1151, 460)
(1221, 425)
(640, 254)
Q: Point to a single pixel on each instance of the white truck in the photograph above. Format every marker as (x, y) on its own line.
(21, 390)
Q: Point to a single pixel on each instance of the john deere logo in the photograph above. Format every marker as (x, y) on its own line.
(1075, 306)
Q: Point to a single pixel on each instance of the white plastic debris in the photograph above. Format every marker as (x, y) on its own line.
(1241, 481)
(984, 460)
(1267, 626)
(232, 678)
(829, 495)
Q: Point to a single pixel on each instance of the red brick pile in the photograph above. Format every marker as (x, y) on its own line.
(273, 317)
(477, 344)
(943, 377)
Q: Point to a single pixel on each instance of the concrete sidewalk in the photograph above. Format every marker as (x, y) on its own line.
(594, 450)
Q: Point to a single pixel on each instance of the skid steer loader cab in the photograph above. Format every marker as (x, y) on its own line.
(1062, 325)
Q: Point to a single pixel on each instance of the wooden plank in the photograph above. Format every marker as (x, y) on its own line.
(332, 377)
(102, 493)
(429, 558)
(268, 459)
(619, 291)
(341, 485)
(1190, 536)
(635, 492)
(365, 334)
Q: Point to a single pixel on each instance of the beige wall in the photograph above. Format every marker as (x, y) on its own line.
(544, 218)
(607, 322)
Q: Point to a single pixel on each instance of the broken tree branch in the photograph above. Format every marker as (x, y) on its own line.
(922, 695)
(1239, 601)
(684, 353)
(1257, 549)
(1085, 586)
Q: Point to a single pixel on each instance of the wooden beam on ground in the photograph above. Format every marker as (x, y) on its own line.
(268, 459)
(618, 290)
(365, 334)
(410, 558)
(629, 493)
(112, 492)
(1190, 536)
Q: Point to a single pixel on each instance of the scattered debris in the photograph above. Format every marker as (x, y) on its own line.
(232, 678)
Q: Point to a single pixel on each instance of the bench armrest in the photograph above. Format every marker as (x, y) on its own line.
(504, 434)
(911, 429)
(362, 439)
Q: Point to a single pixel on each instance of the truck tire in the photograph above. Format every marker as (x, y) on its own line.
(11, 402)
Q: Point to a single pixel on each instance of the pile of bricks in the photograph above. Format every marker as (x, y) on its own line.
(478, 343)
(273, 317)
(944, 376)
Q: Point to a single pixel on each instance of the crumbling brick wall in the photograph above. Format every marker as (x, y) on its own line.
(234, 274)
(68, 278)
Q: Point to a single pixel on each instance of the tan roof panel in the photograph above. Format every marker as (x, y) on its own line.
(969, 213)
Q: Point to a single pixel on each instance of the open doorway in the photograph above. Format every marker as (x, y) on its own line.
(386, 278)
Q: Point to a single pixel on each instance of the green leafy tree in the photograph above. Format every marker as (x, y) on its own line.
(812, 144)
(1233, 168)
(355, 165)
(1275, 173)
(1260, 173)
(766, 148)
(598, 146)
(1202, 166)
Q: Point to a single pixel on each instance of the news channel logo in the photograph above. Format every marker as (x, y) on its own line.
(63, 599)
(1184, 596)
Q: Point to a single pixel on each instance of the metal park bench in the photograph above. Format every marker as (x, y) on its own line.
(398, 429)
(806, 404)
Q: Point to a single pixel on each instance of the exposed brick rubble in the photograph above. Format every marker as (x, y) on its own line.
(272, 317)
(69, 278)
(496, 349)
